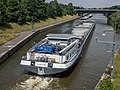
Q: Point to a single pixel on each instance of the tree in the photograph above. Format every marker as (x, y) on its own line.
(59, 11)
(3, 13)
(64, 9)
(36, 9)
(115, 21)
(70, 9)
(52, 9)
(22, 12)
(13, 9)
(17, 11)
(41, 9)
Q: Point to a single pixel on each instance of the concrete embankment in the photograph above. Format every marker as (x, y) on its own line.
(12, 46)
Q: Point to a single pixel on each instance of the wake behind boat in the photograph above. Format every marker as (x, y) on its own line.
(58, 52)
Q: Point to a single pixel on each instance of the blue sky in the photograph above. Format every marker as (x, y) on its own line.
(91, 3)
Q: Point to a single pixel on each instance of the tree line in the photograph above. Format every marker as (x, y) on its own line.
(114, 19)
(113, 7)
(22, 11)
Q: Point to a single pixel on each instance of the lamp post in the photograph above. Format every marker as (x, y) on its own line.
(32, 23)
(0, 16)
(113, 63)
(113, 48)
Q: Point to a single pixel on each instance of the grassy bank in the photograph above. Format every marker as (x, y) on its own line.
(116, 82)
(12, 30)
(107, 84)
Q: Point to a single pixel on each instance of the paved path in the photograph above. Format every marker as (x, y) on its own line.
(13, 42)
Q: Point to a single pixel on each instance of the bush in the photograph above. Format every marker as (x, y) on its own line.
(106, 84)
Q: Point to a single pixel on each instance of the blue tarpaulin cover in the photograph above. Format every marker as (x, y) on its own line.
(45, 48)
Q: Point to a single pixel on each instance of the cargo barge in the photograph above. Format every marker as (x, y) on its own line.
(58, 52)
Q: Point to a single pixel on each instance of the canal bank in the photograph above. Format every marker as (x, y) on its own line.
(105, 76)
(105, 81)
(12, 46)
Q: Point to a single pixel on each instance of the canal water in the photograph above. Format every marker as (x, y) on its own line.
(83, 77)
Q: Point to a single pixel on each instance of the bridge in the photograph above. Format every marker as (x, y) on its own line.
(102, 11)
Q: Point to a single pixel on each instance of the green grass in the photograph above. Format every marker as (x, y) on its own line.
(106, 84)
(116, 82)
(13, 30)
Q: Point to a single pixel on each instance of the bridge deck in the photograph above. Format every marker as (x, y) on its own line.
(107, 11)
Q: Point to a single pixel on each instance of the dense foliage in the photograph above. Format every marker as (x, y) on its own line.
(114, 19)
(22, 11)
